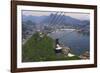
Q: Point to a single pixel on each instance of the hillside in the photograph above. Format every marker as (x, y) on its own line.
(41, 49)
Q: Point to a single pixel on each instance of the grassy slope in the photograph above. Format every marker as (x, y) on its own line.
(41, 49)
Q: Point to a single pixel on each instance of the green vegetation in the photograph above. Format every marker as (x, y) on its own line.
(41, 49)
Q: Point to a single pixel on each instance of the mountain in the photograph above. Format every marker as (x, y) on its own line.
(54, 19)
(28, 27)
(35, 19)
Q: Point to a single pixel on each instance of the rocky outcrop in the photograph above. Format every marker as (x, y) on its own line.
(65, 50)
(85, 55)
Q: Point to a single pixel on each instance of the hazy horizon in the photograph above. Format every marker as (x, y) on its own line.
(76, 15)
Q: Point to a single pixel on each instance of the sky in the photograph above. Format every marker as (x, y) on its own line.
(80, 16)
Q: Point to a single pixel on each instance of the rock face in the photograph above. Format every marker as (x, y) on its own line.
(85, 55)
(65, 50)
